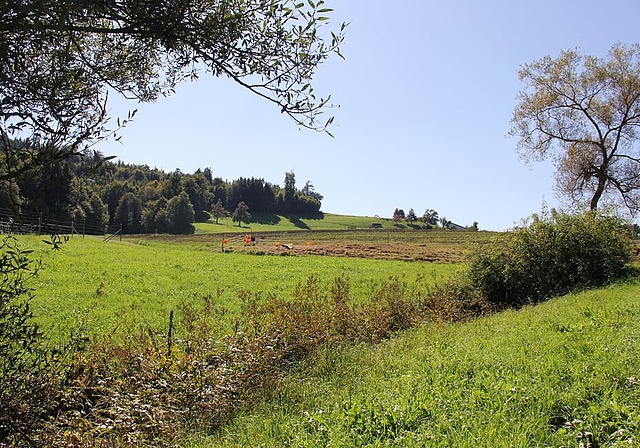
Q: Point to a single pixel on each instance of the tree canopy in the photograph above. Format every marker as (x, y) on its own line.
(584, 113)
(60, 59)
(241, 214)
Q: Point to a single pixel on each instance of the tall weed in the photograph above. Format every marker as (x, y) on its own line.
(142, 388)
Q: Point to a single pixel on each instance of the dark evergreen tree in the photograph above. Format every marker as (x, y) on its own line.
(47, 190)
(411, 216)
(172, 185)
(97, 215)
(208, 175)
(289, 192)
(10, 198)
(111, 194)
(220, 192)
(153, 223)
(197, 187)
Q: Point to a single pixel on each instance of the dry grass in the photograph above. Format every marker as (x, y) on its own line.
(437, 246)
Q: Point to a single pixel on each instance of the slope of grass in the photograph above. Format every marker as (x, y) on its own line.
(564, 373)
(278, 223)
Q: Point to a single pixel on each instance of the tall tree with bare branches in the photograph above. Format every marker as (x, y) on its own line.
(583, 112)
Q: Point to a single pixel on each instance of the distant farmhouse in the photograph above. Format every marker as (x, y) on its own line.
(453, 226)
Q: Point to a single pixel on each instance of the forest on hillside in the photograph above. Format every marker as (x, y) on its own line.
(102, 194)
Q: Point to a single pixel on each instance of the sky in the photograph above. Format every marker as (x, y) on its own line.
(425, 93)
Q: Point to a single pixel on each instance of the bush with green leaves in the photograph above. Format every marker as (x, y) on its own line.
(552, 255)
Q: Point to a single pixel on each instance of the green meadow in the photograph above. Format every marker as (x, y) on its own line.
(138, 283)
(562, 373)
(269, 222)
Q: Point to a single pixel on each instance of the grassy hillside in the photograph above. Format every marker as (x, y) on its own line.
(564, 373)
(268, 222)
(334, 235)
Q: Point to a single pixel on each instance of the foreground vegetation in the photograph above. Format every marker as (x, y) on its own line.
(563, 373)
(149, 379)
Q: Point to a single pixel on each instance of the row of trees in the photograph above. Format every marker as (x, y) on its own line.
(147, 200)
(429, 218)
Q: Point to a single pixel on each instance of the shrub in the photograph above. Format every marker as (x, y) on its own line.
(29, 374)
(455, 301)
(553, 255)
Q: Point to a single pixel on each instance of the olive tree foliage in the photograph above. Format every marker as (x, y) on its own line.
(59, 59)
(583, 112)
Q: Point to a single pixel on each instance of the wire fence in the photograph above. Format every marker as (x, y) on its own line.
(40, 224)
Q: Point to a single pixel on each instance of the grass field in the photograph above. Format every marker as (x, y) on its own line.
(564, 373)
(336, 238)
(139, 281)
(269, 222)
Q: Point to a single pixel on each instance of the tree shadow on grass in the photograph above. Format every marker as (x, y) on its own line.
(265, 218)
(296, 220)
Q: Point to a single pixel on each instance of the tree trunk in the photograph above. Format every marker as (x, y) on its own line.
(602, 181)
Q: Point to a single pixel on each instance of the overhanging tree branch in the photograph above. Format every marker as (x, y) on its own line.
(59, 58)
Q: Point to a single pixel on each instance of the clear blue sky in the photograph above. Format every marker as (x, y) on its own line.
(426, 94)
